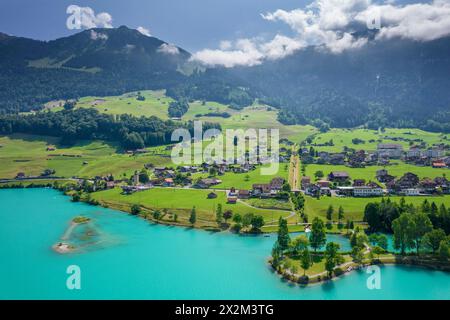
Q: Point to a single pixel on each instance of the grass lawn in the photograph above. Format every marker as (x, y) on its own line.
(181, 201)
(354, 207)
(317, 267)
(28, 154)
(343, 137)
(246, 180)
(255, 116)
(397, 169)
(269, 203)
(156, 104)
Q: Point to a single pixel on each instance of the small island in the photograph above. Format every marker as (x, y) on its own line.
(65, 247)
(80, 220)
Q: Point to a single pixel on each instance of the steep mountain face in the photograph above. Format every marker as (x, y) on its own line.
(390, 82)
(92, 62)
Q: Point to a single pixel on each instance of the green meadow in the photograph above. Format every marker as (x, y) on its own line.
(246, 180)
(86, 159)
(344, 137)
(255, 116)
(397, 169)
(181, 202)
(354, 207)
(156, 104)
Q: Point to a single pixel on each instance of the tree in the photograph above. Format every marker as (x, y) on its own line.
(361, 240)
(318, 174)
(318, 236)
(372, 216)
(305, 260)
(237, 218)
(377, 250)
(432, 239)
(219, 214)
(143, 176)
(193, 217)
(135, 209)
(257, 223)
(340, 213)
(247, 219)
(227, 215)
(330, 211)
(276, 254)
(283, 234)
(332, 257)
(420, 225)
(357, 255)
(382, 241)
(402, 232)
(444, 250)
(299, 244)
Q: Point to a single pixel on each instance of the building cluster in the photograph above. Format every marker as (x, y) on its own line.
(340, 183)
(433, 156)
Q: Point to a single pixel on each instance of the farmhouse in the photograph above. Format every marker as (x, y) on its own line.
(207, 183)
(306, 181)
(359, 182)
(338, 176)
(439, 164)
(383, 176)
(243, 194)
(232, 199)
(323, 184)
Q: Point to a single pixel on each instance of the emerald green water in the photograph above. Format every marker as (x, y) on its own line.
(124, 257)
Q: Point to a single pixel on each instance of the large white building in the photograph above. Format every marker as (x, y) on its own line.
(366, 191)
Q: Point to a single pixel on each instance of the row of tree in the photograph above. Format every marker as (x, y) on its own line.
(74, 124)
(380, 215)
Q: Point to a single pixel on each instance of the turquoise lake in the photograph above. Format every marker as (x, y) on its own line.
(129, 258)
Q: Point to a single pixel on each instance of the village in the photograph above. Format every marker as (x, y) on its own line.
(340, 183)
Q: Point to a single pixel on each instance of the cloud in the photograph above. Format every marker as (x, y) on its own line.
(85, 18)
(168, 49)
(144, 31)
(98, 35)
(331, 25)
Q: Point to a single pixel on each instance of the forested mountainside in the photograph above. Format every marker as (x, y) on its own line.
(385, 83)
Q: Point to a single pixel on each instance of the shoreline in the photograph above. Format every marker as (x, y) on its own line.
(317, 279)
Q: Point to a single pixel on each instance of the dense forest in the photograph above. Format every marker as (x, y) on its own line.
(73, 124)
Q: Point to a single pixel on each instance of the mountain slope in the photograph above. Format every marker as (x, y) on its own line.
(92, 62)
(386, 82)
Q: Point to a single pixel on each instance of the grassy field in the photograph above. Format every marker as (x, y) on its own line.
(245, 180)
(28, 154)
(269, 203)
(181, 201)
(343, 137)
(398, 169)
(317, 267)
(354, 207)
(255, 116)
(156, 103)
